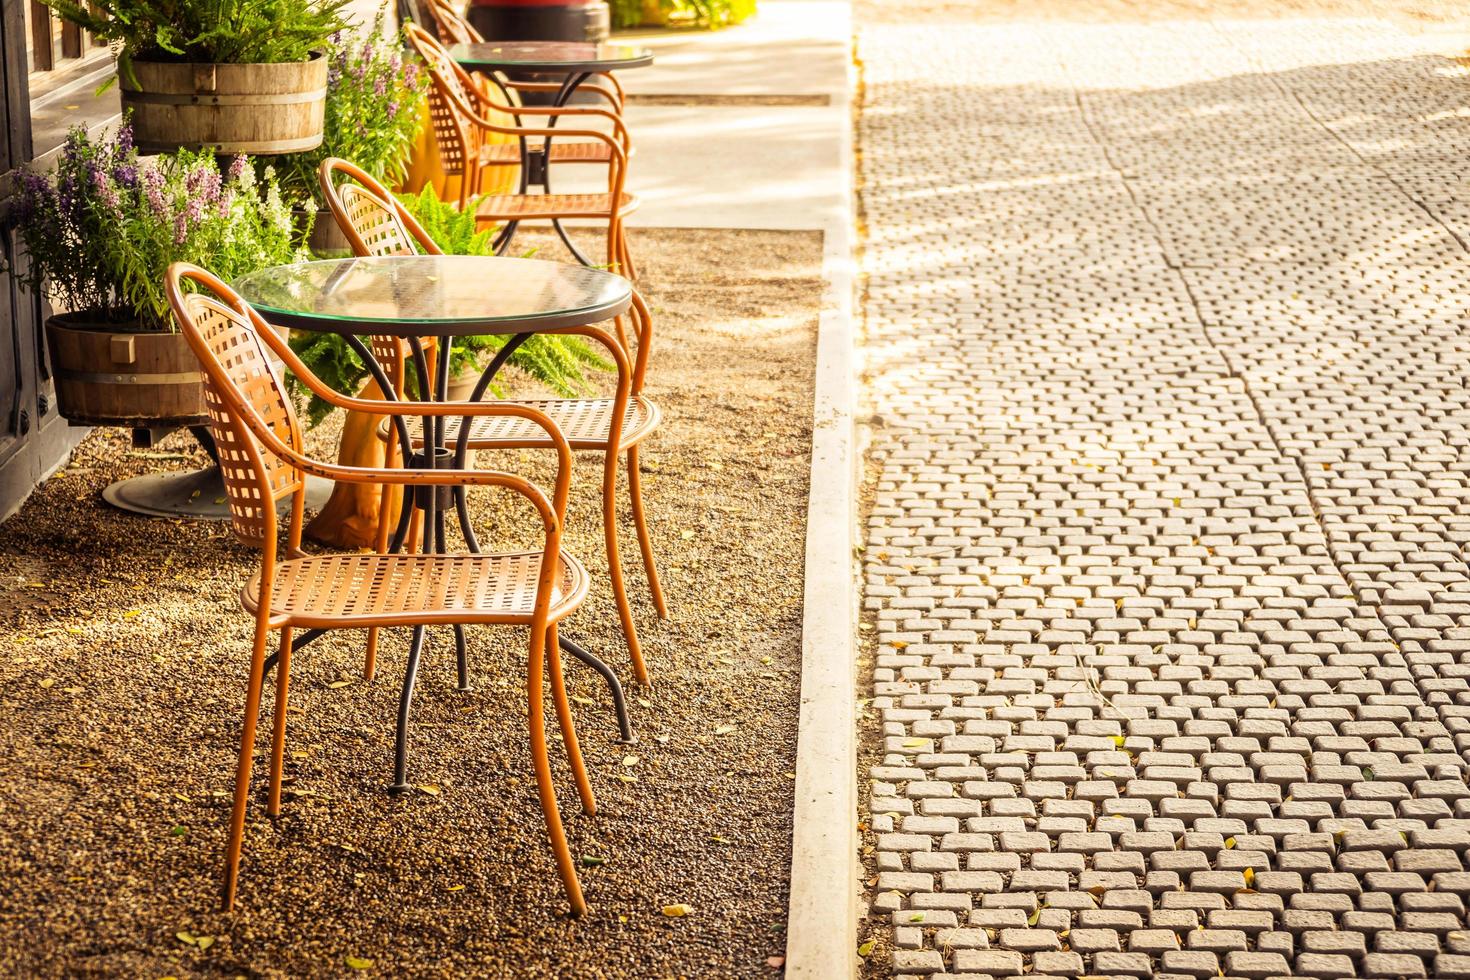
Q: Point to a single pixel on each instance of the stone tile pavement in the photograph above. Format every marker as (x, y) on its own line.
(1167, 350)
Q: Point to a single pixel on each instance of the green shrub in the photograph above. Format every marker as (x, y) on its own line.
(238, 32)
(697, 13)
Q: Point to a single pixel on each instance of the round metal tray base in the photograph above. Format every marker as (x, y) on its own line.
(196, 493)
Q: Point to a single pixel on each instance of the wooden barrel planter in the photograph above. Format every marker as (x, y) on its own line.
(133, 379)
(540, 20)
(255, 109)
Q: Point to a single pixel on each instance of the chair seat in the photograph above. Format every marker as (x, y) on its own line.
(562, 151)
(529, 207)
(386, 590)
(585, 422)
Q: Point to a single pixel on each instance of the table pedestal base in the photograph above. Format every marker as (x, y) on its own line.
(196, 493)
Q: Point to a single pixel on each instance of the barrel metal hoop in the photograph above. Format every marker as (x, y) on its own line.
(89, 377)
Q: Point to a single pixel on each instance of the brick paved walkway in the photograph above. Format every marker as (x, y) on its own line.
(1168, 349)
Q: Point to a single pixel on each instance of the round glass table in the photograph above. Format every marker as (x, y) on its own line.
(443, 297)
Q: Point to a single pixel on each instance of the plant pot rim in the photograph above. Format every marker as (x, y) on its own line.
(315, 56)
(87, 321)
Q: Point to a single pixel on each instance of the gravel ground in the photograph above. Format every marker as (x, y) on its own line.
(121, 681)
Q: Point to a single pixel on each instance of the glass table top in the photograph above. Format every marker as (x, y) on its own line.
(434, 295)
(551, 55)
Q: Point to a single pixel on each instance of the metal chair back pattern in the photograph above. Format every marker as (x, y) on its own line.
(255, 480)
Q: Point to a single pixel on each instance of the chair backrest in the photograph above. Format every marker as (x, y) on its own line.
(452, 25)
(458, 138)
(245, 397)
(375, 224)
(368, 214)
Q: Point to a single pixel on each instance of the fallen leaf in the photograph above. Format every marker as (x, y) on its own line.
(775, 962)
(334, 685)
(677, 911)
(627, 777)
(358, 962)
(1229, 843)
(1250, 876)
(455, 888)
(686, 535)
(132, 613)
(919, 917)
(48, 682)
(645, 702)
(593, 861)
(429, 788)
(867, 948)
(186, 937)
(914, 743)
(581, 700)
(725, 730)
(630, 760)
(204, 942)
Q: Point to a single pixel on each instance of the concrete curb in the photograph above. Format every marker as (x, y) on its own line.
(821, 925)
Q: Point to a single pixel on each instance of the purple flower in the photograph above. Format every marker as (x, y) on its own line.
(411, 74)
(181, 228)
(237, 167)
(392, 108)
(334, 75)
(126, 174)
(395, 62)
(226, 201)
(210, 186)
(124, 139)
(380, 86)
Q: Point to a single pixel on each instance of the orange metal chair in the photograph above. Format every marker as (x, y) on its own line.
(376, 224)
(260, 452)
(454, 29)
(460, 111)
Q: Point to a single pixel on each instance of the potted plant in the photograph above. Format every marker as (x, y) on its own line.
(376, 95)
(234, 77)
(100, 231)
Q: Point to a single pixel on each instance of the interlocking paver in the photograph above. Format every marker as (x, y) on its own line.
(1166, 562)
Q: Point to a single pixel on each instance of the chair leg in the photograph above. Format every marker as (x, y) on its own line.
(615, 567)
(628, 269)
(544, 787)
(278, 735)
(568, 724)
(645, 541)
(242, 766)
(405, 701)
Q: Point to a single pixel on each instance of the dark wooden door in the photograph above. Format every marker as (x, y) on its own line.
(34, 438)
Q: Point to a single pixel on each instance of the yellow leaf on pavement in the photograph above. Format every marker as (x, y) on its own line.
(677, 911)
